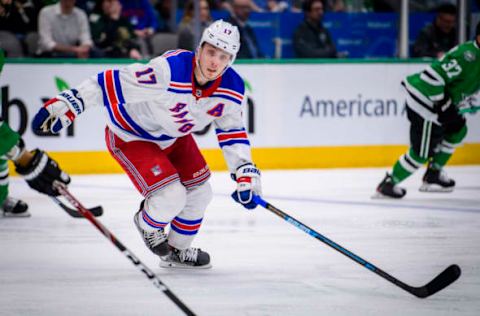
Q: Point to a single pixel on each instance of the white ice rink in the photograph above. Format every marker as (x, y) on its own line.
(52, 264)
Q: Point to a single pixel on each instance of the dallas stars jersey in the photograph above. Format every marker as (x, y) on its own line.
(455, 76)
(8, 138)
(159, 102)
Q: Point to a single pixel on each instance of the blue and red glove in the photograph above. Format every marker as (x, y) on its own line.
(58, 112)
(248, 184)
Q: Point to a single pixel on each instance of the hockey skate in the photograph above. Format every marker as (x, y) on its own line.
(436, 180)
(14, 208)
(388, 189)
(190, 258)
(156, 240)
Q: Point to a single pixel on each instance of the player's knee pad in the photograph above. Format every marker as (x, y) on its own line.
(457, 137)
(199, 197)
(165, 204)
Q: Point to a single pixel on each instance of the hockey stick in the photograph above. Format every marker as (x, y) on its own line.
(142, 267)
(444, 279)
(96, 211)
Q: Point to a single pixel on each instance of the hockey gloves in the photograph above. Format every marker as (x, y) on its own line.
(59, 112)
(41, 172)
(248, 184)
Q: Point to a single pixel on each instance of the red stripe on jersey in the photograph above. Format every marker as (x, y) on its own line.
(112, 97)
(222, 137)
(180, 85)
(230, 92)
(110, 87)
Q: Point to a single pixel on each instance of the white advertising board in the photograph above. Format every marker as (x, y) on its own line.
(294, 105)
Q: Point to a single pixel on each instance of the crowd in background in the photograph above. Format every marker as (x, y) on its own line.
(128, 28)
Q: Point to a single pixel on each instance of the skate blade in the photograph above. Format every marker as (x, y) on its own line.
(379, 196)
(176, 265)
(16, 215)
(435, 188)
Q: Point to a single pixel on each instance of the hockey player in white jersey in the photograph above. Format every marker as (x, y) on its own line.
(152, 110)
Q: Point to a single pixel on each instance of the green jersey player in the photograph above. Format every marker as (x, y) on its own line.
(434, 100)
(38, 169)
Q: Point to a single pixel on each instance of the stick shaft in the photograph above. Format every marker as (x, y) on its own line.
(417, 291)
(142, 267)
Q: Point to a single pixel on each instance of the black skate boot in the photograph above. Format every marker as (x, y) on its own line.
(190, 258)
(436, 180)
(155, 240)
(14, 208)
(388, 189)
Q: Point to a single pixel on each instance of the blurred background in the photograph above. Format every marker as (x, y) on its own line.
(357, 28)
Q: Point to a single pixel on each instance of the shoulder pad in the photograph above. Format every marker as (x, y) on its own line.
(181, 65)
(232, 86)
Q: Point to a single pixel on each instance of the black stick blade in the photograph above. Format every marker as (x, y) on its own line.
(441, 281)
(96, 211)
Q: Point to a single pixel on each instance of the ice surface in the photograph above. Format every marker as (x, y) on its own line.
(52, 264)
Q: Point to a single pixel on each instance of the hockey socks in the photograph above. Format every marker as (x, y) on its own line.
(447, 148)
(406, 165)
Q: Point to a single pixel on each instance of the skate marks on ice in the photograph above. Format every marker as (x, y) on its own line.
(52, 264)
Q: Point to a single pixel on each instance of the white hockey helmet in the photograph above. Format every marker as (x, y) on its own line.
(223, 35)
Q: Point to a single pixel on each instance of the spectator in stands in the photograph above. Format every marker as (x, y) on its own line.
(164, 13)
(225, 5)
(437, 38)
(186, 27)
(248, 42)
(89, 6)
(113, 34)
(311, 39)
(276, 6)
(141, 15)
(18, 16)
(64, 31)
(337, 5)
(144, 19)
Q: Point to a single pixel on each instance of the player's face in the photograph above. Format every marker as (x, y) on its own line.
(204, 11)
(212, 61)
(316, 12)
(446, 22)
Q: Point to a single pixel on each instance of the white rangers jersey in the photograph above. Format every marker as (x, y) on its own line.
(160, 102)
